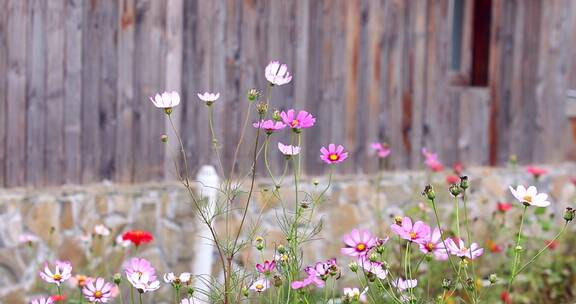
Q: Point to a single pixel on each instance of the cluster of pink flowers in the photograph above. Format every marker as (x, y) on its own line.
(318, 273)
(432, 161)
(382, 150)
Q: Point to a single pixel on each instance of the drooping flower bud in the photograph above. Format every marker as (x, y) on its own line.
(569, 214)
(164, 138)
(429, 192)
(259, 243)
(493, 278)
(398, 220)
(446, 283)
(117, 278)
(277, 281)
(281, 249)
(353, 266)
(276, 116)
(464, 183)
(262, 109)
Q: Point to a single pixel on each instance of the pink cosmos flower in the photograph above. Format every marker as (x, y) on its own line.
(318, 274)
(375, 268)
(432, 161)
(288, 150)
(358, 243)
(28, 238)
(277, 74)
(144, 282)
(166, 100)
(187, 301)
(402, 284)
(48, 300)
(530, 196)
(354, 294)
(333, 154)
(140, 267)
(79, 281)
(62, 272)
(382, 150)
(456, 247)
(267, 268)
(260, 285)
(433, 244)
(209, 98)
(298, 121)
(269, 126)
(418, 233)
(99, 291)
(536, 171)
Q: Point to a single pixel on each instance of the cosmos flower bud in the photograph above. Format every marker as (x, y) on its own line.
(446, 283)
(493, 278)
(276, 116)
(253, 94)
(429, 192)
(245, 291)
(380, 249)
(305, 204)
(281, 249)
(464, 183)
(398, 220)
(353, 266)
(454, 190)
(259, 243)
(164, 138)
(316, 182)
(262, 109)
(518, 248)
(117, 278)
(371, 276)
(277, 281)
(569, 214)
(190, 291)
(373, 257)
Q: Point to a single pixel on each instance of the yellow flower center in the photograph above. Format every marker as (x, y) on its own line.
(430, 246)
(294, 123)
(57, 277)
(333, 157)
(259, 287)
(527, 198)
(413, 235)
(361, 247)
(98, 294)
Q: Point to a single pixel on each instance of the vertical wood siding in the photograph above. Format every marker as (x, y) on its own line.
(75, 77)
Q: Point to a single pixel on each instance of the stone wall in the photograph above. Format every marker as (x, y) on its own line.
(63, 218)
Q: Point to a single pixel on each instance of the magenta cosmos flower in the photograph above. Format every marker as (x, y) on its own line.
(382, 150)
(98, 291)
(167, 100)
(277, 74)
(433, 245)
(418, 233)
(375, 268)
(266, 268)
(62, 272)
(269, 126)
(456, 247)
(334, 154)
(358, 242)
(47, 300)
(432, 161)
(298, 121)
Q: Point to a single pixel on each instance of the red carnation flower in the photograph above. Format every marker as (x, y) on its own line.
(452, 179)
(138, 237)
(503, 206)
(536, 171)
(58, 298)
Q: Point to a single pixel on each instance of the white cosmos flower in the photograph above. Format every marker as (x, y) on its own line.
(170, 278)
(402, 284)
(101, 230)
(354, 294)
(530, 196)
(208, 98)
(260, 285)
(288, 150)
(277, 74)
(166, 100)
(143, 282)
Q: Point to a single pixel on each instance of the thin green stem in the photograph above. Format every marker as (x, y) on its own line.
(542, 250)
(457, 208)
(266, 163)
(468, 235)
(517, 250)
(214, 139)
(131, 295)
(140, 296)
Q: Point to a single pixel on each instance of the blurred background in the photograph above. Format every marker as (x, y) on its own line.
(474, 80)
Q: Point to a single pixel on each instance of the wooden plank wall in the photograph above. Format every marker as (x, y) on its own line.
(75, 77)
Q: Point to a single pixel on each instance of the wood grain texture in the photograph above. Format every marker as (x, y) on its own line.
(75, 78)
